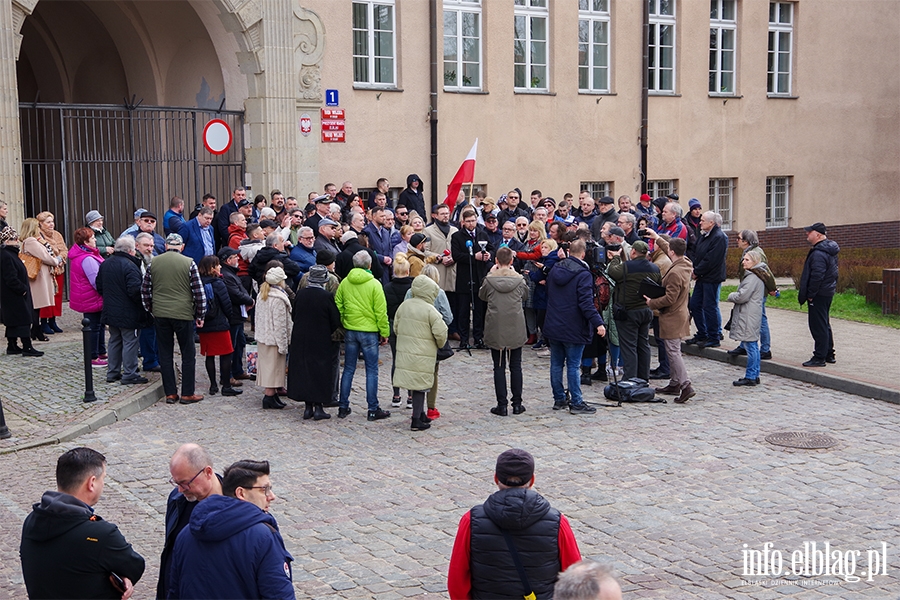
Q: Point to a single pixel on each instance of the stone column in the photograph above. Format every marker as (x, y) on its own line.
(11, 189)
(309, 47)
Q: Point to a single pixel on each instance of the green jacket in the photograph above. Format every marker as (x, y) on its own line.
(360, 298)
(104, 239)
(420, 332)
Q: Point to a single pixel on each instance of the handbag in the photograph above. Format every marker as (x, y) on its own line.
(32, 264)
(444, 352)
(252, 353)
(727, 326)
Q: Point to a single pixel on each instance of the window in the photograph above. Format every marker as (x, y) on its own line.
(662, 45)
(721, 199)
(597, 189)
(660, 188)
(593, 45)
(778, 191)
(722, 36)
(462, 44)
(374, 43)
(781, 31)
(530, 54)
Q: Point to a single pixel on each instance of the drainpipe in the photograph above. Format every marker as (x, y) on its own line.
(645, 92)
(433, 114)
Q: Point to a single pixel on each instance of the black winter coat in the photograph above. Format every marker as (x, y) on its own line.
(709, 258)
(820, 272)
(119, 282)
(237, 293)
(312, 358)
(16, 307)
(221, 321)
(411, 199)
(264, 255)
(395, 294)
(463, 259)
(343, 264)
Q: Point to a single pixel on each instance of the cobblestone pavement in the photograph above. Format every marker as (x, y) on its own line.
(669, 494)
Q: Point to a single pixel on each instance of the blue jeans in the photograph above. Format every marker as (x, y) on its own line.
(148, 348)
(239, 343)
(704, 307)
(752, 349)
(765, 338)
(354, 341)
(570, 355)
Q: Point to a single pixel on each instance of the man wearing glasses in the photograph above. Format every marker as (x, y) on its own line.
(194, 480)
(513, 209)
(233, 548)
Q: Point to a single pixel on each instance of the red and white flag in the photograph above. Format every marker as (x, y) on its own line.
(466, 174)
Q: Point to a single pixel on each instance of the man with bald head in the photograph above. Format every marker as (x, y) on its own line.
(194, 480)
(587, 580)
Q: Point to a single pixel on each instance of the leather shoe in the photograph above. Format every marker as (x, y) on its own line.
(319, 413)
(31, 352)
(230, 391)
(829, 359)
(271, 402)
(112, 378)
(242, 376)
(172, 399)
(657, 374)
(309, 412)
(710, 344)
(518, 409)
(686, 394)
(814, 362)
(134, 381)
(500, 411)
(768, 355)
(234, 382)
(744, 381)
(674, 390)
(154, 369)
(190, 399)
(344, 412)
(454, 337)
(739, 351)
(694, 341)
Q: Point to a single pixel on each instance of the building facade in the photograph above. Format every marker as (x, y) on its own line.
(773, 113)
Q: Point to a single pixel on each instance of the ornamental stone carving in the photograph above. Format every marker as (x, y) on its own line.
(309, 48)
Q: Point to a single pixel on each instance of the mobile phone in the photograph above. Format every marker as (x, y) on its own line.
(117, 582)
(642, 232)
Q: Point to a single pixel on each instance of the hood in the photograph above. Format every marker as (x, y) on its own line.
(358, 276)
(219, 517)
(55, 515)
(425, 288)
(235, 228)
(564, 271)
(828, 246)
(503, 280)
(413, 177)
(516, 508)
(250, 242)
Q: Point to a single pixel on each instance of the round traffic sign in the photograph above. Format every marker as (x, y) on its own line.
(217, 136)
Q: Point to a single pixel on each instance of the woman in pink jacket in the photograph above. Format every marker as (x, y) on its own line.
(84, 264)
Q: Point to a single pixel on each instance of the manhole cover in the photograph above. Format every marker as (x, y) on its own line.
(798, 439)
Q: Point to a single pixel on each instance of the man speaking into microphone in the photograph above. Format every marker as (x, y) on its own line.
(473, 252)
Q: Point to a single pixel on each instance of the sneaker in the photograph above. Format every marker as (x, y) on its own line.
(600, 375)
(344, 412)
(581, 409)
(433, 414)
(814, 362)
(98, 362)
(377, 415)
(710, 344)
(829, 359)
(395, 402)
(540, 344)
(745, 381)
(739, 351)
(409, 403)
(543, 353)
(113, 378)
(768, 355)
(560, 404)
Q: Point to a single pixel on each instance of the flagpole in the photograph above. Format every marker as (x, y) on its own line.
(470, 193)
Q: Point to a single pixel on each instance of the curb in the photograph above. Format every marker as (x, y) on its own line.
(119, 411)
(808, 375)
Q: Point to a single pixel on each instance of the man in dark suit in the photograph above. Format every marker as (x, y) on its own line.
(472, 251)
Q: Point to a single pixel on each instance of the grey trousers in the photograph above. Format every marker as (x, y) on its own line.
(677, 371)
(123, 352)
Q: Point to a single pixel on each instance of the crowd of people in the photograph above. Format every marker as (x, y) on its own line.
(570, 279)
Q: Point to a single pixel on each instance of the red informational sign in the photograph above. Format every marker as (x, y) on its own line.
(333, 136)
(305, 124)
(333, 125)
(332, 113)
(217, 136)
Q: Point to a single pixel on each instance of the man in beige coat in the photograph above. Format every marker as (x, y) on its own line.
(503, 290)
(675, 319)
(438, 242)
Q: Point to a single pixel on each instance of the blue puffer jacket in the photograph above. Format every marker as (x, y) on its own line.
(571, 315)
(230, 549)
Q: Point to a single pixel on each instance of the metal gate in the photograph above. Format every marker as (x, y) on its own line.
(116, 159)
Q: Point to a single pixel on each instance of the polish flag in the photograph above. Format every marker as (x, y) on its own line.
(466, 174)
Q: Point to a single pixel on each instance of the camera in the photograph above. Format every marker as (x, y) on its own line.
(564, 246)
(642, 232)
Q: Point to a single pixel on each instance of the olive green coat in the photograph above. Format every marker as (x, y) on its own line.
(420, 332)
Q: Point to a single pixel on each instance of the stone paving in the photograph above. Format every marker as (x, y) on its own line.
(668, 494)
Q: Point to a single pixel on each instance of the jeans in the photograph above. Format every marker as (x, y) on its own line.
(239, 343)
(634, 342)
(704, 307)
(98, 334)
(752, 349)
(570, 355)
(820, 327)
(167, 331)
(148, 348)
(123, 353)
(515, 374)
(354, 341)
(765, 338)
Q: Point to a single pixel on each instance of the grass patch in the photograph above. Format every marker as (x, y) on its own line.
(846, 305)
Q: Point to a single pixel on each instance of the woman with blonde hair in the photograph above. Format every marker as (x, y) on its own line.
(417, 222)
(746, 316)
(49, 313)
(273, 334)
(36, 246)
(406, 232)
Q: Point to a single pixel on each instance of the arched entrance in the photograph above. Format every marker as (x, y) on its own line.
(113, 100)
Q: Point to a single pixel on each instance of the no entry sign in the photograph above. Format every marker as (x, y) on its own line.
(217, 136)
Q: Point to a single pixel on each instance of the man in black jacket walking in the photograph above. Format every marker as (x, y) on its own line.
(67, 550)
(818, 284)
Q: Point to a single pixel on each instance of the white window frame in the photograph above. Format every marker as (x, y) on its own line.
(460, 8)
(662, 14)
(660, 188)
(591, 14)
(720, 29)
(778, 47)
(372, 75)
(721, 199)
(597, 189)
(778, 205)
(532, 11)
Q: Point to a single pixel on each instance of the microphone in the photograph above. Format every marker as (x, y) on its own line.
(469, 246)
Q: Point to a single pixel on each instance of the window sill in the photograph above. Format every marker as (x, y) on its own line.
(376, 88)
(726, 96)
(776, 226)
(595, 93)
(527, 92)
(782, 97)
(663, 94)
(463, 91)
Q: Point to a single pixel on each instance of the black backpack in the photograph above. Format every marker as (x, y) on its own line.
(631, 390)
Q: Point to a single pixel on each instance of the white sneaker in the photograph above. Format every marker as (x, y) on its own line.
(543, 353)
(395, 403)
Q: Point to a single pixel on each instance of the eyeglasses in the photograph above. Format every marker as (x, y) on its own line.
(521, 224)
(307, 237)
(267, 489)
(402, 214)
(186, 485)
(512, 197)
